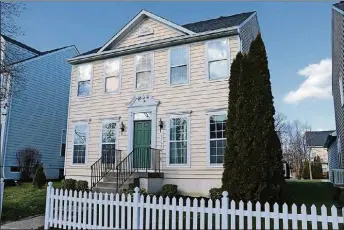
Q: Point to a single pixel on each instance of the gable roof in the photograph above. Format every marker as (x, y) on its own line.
(317, 138)
(330, 139)
(29, 48)
(340, 6)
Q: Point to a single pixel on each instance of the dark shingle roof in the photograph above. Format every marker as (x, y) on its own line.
(218, 23)
(317, 138)
(340, 5)
(203, 26)
(21, 44)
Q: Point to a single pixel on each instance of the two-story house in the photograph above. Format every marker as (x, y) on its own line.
(156, 93)
(35, 113)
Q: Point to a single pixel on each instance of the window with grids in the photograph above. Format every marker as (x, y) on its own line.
(80, 143)
(179, 59)
(217, 138)
(63, 143)
(143, 68)
(218, 55)
(112, 77)
(84, 80)
(109, 139)
(178, 140)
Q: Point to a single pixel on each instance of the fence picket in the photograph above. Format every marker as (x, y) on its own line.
(167, 212)
(217, 214)
(304, 216)
(285, 216)
(95, 208)
(202, 213)
(258, 216)
(187, 210)
(324, 217)
(161, 210)
(47, 202)
(173, 220)
(241, 215)
(334, 215)
(314, 217)
(2, 187)
(249, 215)
(148, 208)
(84, 210)
(117, 211)
(123, 211)
(141, 210)
(267, 216)
(195, 214)
(89, 201)
(129, 212)
(56, 207)
(65, 195)
(70, 205)
(210, 214)
(276, 216)
(180, 213)
(79, 209)
(60, 197)
(294, 216)
(233, 214)
(74, 208)
(106, 210)
(154, 205)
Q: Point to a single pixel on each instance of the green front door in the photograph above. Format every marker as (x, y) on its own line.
(142, 142)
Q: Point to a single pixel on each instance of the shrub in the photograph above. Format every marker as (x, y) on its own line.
(69, 184)
(341, 197)
(305, 171)
(336, 193)
(28, 160)
(39, 177)
(81, 185)
(317, 171)
(215, 193)
(170, 190)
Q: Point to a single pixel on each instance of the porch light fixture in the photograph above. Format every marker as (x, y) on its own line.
(161, 124)
(122, 127)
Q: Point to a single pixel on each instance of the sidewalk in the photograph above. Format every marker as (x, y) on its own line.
(28, 223)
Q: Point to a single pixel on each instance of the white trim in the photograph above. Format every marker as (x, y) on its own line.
(86, 149)
(187, 47)
(341, 89)
(182, 112)
(108, 120)
(207, 61)
(218, 112)
(141, 15)
(247, 20)
(77, 80)
(151, 70)
(223, 109)
(338, 10)
(118, 91)
(187, 165)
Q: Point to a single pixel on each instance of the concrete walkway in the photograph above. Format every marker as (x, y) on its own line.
(28, 223)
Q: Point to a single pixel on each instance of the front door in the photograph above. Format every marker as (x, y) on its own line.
(142, 142)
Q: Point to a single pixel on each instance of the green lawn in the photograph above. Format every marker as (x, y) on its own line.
(24, 201)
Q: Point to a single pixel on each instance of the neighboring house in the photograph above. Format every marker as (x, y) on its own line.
(161, 85)
(35, 115)
(315, 143)
(338, 83)
(333, 156)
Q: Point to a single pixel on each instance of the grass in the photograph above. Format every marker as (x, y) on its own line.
(24, 201)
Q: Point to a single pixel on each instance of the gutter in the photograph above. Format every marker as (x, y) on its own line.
(156, 45)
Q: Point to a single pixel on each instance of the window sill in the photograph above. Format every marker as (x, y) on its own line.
(218, 79)
(179, 85)
(178, 166)
(113, 92)
(147, 89)
(79, 165)
(81, 97)
(215, 165)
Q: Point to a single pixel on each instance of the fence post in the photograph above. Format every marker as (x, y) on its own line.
(224, 210)
(1, 194)
(48, 205)
(136, 211)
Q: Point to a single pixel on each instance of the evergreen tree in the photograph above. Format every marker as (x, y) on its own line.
(305, 170)
(317, 171)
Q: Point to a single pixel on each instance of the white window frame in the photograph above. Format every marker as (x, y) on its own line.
(101, 134)
(187, 65)
(78, 80)
(152, 72)
(87, 139)
(65, 142)
(187, 116)
(106, 75)
(207, 60)
(209, 114)
(341, 89)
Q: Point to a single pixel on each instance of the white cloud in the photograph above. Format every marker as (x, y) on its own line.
(317, 84)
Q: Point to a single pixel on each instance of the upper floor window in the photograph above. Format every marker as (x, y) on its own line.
(217, 137)
(179, 65)
(143, 70)
(217, 59)
(84, 80)
(80, 142)
(112, 75)
(341, 88)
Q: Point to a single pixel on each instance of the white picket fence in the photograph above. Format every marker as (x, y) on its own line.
(337, 176)
(77, 210)
(2, 186)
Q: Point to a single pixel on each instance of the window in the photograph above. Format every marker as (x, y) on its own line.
(341, 89)
(109, 139)
(217, 59)
(80, 143)
(14, 169)
(179, 63)
(179, 140)
(112, 75)
(143, 70)
(217, 137)
(84, 80)
(63, 143)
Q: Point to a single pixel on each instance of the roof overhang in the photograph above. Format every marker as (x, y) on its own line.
(140, 17)
(330, 139)
(338, 10)
(156, 45)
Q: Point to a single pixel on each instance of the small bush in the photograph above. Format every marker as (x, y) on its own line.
(39, 177)
(341, 197)
(28, 160)
(169, 190)
(81, 185)
(336, 193)
(69, 184)
(215, 193)
(305, 171)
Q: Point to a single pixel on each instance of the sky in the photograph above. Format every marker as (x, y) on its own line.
(297, 37)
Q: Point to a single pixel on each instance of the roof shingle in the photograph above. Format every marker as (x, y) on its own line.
(317, 138)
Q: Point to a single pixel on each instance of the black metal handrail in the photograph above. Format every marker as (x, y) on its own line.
(142, 159)
(104, 165)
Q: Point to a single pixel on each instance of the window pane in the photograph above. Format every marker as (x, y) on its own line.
(179, 75)
(80, 134)
(109, 132)
(178, 152)
(83, 88)
(178, 141)
(217, 50)
(85, 72)
(112, 67)
(143, 80)
(179, 56)
(143, 62)
(79, 154)
(178, 129)
(217, 138)
(109, 150)
(218, 69)
(111, 84)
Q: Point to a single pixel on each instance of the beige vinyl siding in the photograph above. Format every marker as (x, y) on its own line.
(160, 32)
(200, 95)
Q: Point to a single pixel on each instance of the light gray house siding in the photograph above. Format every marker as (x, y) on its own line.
(248, 33)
